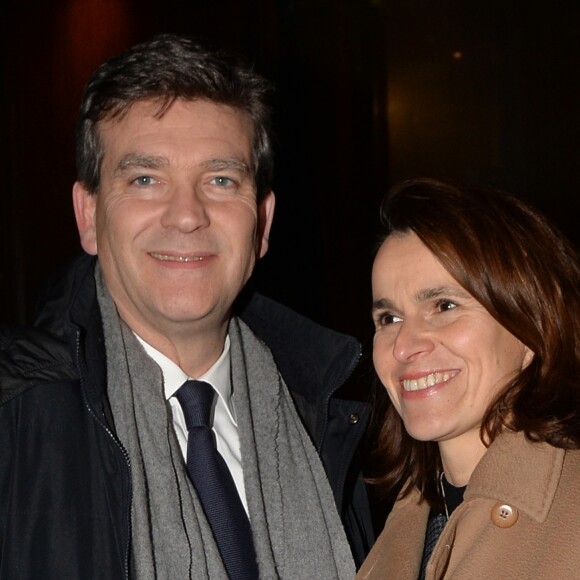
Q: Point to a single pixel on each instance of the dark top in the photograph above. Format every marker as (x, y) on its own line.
(438, 519)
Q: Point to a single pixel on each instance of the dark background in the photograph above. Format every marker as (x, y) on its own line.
(367, 92)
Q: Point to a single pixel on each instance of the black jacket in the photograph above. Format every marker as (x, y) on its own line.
(65, 480)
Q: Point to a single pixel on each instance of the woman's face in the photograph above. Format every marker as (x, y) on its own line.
(440, 354)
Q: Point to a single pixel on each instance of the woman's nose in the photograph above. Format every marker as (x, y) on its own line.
(413, 339)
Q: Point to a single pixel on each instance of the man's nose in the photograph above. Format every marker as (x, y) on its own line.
(186, 210)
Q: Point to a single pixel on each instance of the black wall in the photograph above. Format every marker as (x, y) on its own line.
(368, 92)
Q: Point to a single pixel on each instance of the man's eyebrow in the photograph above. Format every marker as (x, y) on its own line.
(381, 304)
(229, 163)
(136, 160)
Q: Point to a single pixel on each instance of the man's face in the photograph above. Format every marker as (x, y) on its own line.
(175, 223)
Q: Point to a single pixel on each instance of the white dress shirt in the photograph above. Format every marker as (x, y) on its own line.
(224, 425)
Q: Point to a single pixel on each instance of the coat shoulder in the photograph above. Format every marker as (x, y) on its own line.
(29, 357)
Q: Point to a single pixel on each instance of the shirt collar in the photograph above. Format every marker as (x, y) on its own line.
(218, 376)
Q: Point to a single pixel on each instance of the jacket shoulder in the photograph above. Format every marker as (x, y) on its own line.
(313, 359)
(31, 356)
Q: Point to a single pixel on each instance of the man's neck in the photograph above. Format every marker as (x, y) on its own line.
(194, 352)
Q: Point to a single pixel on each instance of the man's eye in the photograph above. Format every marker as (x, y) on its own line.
(223, 181)
(144, 180)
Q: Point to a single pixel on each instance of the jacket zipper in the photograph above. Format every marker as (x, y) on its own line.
(118, 444)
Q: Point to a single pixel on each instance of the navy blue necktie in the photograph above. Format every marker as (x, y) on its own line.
(214, 484)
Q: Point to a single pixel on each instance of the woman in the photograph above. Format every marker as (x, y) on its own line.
(476, 305)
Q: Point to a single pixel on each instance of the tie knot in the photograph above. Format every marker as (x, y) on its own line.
(196, 399)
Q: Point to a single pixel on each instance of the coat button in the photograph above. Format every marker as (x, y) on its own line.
(504, 515)
(353, 418)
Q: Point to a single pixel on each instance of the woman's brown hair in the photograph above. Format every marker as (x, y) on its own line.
(513, 261)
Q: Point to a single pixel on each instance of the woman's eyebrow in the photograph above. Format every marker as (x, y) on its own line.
(438, 291)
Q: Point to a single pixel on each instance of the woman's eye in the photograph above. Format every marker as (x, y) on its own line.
(444, 305)
(387, 319)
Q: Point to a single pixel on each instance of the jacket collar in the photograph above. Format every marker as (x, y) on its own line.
(68, 308)
(503, 474)
(67, 297)
(511, 462)
(314, 360)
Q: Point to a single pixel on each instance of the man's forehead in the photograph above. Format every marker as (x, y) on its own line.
(141, 133)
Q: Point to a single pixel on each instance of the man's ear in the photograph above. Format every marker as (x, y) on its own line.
(265, 218)
(85, 206)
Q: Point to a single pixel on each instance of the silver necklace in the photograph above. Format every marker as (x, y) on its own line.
(443, 494)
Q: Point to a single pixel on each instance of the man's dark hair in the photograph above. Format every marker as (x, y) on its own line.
(166, 68)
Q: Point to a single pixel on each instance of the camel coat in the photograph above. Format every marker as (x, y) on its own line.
(520, 519)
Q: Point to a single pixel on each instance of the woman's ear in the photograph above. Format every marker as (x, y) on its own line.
(528, 357)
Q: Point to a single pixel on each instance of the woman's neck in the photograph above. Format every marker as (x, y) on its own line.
(460, 456)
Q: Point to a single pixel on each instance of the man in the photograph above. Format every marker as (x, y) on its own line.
(99, 475)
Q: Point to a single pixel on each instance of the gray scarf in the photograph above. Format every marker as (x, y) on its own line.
(297, 530)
